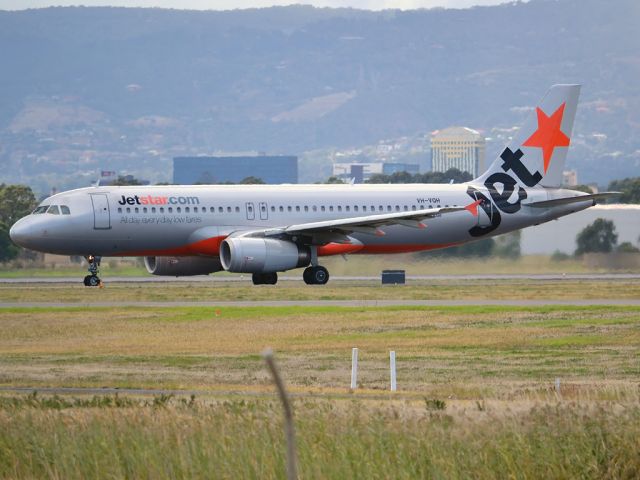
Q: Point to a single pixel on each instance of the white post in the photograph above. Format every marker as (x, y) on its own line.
(558, 385)
(392, 367)
(354, 368)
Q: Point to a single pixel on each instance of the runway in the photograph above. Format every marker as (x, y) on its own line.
(372, 278)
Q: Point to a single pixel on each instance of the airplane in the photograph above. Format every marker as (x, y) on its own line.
(185, 230)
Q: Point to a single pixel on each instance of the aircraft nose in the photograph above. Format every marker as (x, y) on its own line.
(20, 233)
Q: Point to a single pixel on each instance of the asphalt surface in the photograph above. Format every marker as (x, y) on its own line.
(287, 278)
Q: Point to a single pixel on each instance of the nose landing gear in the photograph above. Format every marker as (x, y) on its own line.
(92, 280)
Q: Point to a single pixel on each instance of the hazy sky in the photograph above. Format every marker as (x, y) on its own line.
(230, 4)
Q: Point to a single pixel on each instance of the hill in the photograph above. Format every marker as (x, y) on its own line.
(127, 89)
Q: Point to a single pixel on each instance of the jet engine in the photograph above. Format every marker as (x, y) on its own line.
(182, 266)
(262, 255)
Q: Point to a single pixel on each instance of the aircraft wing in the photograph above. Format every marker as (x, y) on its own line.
(369, 224)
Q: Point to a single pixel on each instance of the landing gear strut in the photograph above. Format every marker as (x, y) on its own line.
(270, 278)
(92, 280)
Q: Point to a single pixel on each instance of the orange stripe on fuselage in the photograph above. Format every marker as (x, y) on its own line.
(208, 246)
(211, 247)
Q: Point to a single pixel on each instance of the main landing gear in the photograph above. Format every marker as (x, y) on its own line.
(270, 278)
(315, 274)
(92, 280)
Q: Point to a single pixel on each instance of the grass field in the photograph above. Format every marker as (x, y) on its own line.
(124, 438)
(462, 352)
(476, 383)
(336, 290)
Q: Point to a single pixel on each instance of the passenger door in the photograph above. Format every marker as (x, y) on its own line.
(101, 213)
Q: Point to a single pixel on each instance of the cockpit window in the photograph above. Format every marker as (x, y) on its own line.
(41, 209)
(54, 210)
(65, 210)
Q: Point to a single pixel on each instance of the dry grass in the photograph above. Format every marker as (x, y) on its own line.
(466, 352)
(336, 439)
(336, 290)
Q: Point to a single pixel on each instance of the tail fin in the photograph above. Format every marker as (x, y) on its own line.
(538, 151)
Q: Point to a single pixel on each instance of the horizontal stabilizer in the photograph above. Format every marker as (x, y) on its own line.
(594, 197)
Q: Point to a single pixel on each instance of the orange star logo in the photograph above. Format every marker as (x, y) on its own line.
(548, 135)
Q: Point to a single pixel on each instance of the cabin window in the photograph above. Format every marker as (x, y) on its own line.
(381, 208)
(315, 209)
(273, 209)
(289, 208)
(237, 210)
(347, 208)
(331, 208)
(178, 210)
(212, 209)
(413, 207)
(389, 208)
(137, 210)
(162, 209)
(153, 209)
(281, 208)
(144, 209)
(306, 208)
(128, 209)
(119, 209)
(186, 209)
(229, 209)
(322, 208)
(65, 210)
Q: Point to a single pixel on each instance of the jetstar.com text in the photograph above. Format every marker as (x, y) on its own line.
(153, 200)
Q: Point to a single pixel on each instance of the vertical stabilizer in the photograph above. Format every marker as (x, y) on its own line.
(541, 144)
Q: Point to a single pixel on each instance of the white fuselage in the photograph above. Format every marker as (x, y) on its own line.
(192, 220)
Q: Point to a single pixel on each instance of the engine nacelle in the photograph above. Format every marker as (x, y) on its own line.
(182, 266)
(262, 255)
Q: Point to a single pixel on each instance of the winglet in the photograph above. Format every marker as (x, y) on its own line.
(473, 207)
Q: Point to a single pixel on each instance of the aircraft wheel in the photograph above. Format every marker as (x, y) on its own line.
(315, 275)
(320, 275)
(270, 278)
(91, 281)
(306, 275)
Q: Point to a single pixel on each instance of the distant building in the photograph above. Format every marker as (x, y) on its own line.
(570, 178)
(271, 169)
(458, 147)
(360, 172)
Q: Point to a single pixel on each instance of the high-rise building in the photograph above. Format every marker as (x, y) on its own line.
(458, 147)
(270, 169)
